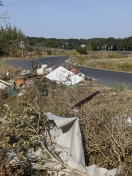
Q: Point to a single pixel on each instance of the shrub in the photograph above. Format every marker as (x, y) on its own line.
(49, 52)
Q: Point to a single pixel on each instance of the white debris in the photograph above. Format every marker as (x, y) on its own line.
(24, 72)
(42, 70)
(44, 66)
(81, 75)
(7, 73)
(128, 120)
(2, 120)
(22, 93)
(64, 76)
(2, 86)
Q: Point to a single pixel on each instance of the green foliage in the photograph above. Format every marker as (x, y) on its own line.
(38, 51)
(10, 38)
(82, 50)
(97, 44)
(89, 47)
(49, 52)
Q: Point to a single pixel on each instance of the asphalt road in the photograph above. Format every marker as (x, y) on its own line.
(103, 77)
(109, 78)
(26, 64)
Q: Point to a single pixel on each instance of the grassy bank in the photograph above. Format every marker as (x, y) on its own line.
(106, 60)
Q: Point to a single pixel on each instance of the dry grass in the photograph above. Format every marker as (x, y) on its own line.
(95, 117)
(107, 142)
(106, 60)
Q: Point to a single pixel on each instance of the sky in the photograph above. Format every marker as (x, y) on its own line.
(65, 19)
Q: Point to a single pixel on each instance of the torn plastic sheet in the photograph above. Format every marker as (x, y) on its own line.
(68, 144)
(64, 76)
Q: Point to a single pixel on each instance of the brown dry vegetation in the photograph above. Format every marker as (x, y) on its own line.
(107, 141)
(5, 68)
(106, 60)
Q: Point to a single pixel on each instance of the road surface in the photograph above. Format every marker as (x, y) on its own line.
(103, 77)
(26, 64)
(109, 78)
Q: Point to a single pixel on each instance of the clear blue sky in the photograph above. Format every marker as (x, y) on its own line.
(70, 18)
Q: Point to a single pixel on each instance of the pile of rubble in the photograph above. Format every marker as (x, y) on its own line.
(21, 79)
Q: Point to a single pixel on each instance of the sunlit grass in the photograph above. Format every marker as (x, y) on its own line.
(106, 61)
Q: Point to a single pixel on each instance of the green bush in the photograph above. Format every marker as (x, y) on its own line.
(49, 52)
(82, 50)
(39, 51)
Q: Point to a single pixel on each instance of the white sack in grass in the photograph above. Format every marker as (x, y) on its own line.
(64, 76)
(68, 142)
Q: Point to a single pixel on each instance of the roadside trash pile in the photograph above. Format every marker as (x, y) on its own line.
(62, 150)
(60, 144)
(68, 145)
(25, 79)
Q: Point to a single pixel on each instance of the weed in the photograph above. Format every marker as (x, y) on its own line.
(120, 87)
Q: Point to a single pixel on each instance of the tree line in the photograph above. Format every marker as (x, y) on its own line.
(111, 43)
(11, 37)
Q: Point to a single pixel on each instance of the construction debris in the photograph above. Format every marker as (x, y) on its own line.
(64, 76)
(59, 147)
(14, 83)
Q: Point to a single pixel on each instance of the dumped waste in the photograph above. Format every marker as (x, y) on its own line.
(58, 145)
(60, 149)
(69, 159)
(25, 78)
(64, 76)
